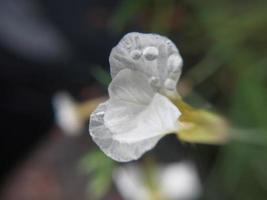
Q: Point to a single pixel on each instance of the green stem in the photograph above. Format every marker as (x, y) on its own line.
(249, 136)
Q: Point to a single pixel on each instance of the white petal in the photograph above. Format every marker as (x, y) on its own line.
(151, 54)
(66, 114)
(179, 181)
(129, 93)
(132, 121)
(130, 182)
(131, 86)
(175, 181)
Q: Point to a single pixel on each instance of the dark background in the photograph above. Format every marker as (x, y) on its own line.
(31, 74)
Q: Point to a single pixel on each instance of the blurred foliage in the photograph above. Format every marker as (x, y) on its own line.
(99, 169)
(223, 44)
(237, 30)
(100, 75)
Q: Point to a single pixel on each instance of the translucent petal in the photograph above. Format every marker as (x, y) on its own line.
(132, 121)
(153, 55)
(129, 93)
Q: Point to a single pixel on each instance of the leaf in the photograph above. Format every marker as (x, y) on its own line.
(99, 168)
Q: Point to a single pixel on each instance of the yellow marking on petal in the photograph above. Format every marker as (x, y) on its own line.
(200, 126)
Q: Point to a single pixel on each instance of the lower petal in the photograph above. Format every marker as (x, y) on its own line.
(158, 118)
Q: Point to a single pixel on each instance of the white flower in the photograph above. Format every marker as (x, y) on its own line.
(177, 181)
(145, 69)
(130, 182)
(66, 115)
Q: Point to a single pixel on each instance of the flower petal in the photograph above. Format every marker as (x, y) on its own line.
(130, 182)
(129, 93)
(179, 180)
(175, 181)
(153, 55)
(66, 114)
(132, 121)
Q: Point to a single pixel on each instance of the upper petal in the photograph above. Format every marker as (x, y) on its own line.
(153, 55)
(125, 129)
